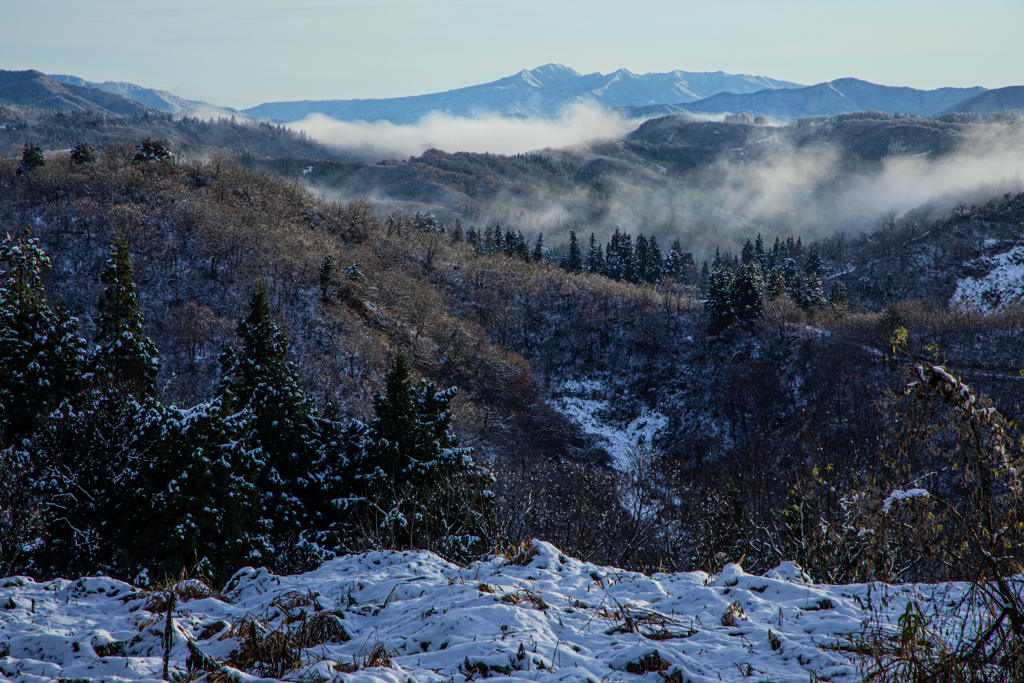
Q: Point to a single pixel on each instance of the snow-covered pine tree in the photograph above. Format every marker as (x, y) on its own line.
(302, 473)
(419, 489)
(538, 249)
(194, 497)
(42, 358)
(748, 293)
(718, 304)
(655, 261)
(572, 261)
(125, 358)
(641, 261)
(594, 260)
(31, 158)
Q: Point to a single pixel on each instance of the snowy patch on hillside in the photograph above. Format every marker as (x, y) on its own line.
(580, 402)
(1003, 284)
(400, 617)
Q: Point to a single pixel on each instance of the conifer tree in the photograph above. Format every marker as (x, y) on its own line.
(747, 254)
(573, 260)
(837, 296)
(812, 262)
(538, 248)
(748, 293)
(125, 357)
(31, 158)
(718, 304)
(83, 153)
(302, 470)
(594, 261)
(473, 239)
(457, 231)
(641, 261)
(42, 359)
(655, 261)
(419, 488)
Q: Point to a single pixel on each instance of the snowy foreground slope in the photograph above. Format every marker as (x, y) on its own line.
(552, 618)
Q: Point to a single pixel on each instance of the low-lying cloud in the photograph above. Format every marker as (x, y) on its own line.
(491, 133)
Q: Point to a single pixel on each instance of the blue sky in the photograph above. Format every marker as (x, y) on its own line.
(240, 53)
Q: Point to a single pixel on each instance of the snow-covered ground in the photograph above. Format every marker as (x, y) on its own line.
(575, 399)
(1003, 284)
(411, 617)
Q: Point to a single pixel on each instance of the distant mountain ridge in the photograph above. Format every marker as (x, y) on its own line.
(35, 89)
(840, 96)
(544, 91)
(161, 100)
(991, 101)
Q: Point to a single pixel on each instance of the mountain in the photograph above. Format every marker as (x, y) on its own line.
(544, 91)
(841, 96)
(990, 101)
(160, 100)
(35, 89)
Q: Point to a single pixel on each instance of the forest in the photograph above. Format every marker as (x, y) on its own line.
(208, 366)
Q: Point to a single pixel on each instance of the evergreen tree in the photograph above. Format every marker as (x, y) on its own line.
(775, 284)
(689, 275)
(473, 239)
(837, 296)
(488, 241)
(718, 304)
(42, 359)
(748, 293)
(193, 496)
(674, 262)
(807, 292)
(302, 467)
(151, 151)
(83, 153)
(538, 248)
(572, 261)
(812, 262)
(747, 254)
(499, 239)
(594, 261)
(705, 277)
(457, 231)
(641, 264)
(419, 488)
(125, 357)
(655, 262)
(31, 158)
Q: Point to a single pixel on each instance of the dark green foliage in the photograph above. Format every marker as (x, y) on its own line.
(457, 234)
(300, 474)
(594, 261)
(572, 261)
(125, 358)
(192, 496)
(538, 249)
(418, 487)
(151, 151)
(83, 153)
(42, 358)
(837, 295)
(718, 305)
(31, 158)
(748, 293)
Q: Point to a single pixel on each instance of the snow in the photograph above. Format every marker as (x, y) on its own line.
(546, 617)
(897, 496)
(574, 400)
(1003, 284)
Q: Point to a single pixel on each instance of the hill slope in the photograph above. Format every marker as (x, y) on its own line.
(161, 100)
(36, 89)
(836, 97)
(544, 91)
(991, 101)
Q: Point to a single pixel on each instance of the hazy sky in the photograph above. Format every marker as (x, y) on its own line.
(243, 52)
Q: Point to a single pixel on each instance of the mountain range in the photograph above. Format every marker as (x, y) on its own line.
(544, 91)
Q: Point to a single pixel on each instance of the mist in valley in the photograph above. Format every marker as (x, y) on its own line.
(725, 182)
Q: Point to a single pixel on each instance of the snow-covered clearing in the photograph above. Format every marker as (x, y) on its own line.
(413, 617)
(1003, 284)
(575, 399)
